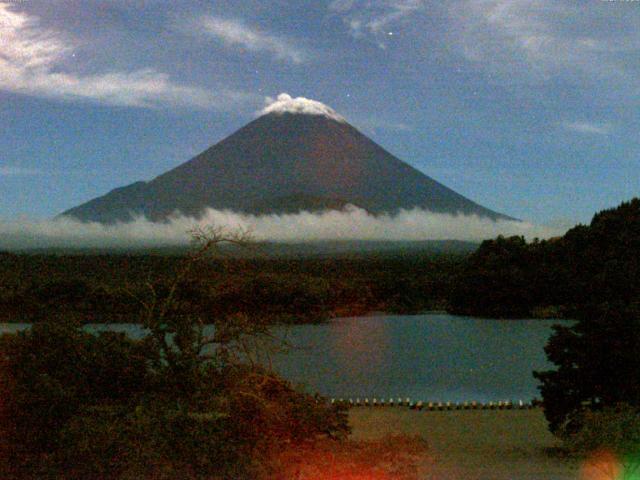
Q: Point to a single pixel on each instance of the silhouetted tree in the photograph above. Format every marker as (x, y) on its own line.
(597, 364)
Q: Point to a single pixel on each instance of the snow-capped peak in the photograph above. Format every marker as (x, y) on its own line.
(287, 104)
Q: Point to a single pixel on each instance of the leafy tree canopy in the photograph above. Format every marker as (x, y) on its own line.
(594, 264)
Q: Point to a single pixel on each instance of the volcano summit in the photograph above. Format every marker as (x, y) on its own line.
(298, 155)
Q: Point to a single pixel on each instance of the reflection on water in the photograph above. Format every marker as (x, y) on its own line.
(434, 357)
(365, 350)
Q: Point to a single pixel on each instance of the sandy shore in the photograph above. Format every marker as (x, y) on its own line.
(474, 445)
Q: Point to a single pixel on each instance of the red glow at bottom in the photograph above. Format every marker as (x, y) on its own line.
(602, 465)
(390, 458)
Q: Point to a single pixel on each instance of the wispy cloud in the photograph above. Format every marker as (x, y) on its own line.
(395, 10)
(350, 224)
(534, 40)
(13, 171)
(588, 127)
(374, 18)
(545, 39)
(374, 124)
(31, 63)
(236, 33)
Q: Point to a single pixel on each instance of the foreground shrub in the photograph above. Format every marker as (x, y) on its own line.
(80, 406)
(50, 373)
(614, 428)
(176, 405)
(609, 438)
(151, 441)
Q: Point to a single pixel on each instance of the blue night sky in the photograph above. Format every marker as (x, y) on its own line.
(527, 107)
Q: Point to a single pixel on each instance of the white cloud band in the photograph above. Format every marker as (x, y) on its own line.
(349, 224)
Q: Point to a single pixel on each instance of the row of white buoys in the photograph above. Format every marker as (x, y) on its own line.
(374, 402)
(435, 406)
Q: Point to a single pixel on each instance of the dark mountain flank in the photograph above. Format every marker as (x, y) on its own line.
(283, 162)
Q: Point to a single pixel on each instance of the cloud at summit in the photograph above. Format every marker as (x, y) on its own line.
(285, 103)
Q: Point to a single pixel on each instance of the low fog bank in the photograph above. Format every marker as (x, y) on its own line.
(349, 224)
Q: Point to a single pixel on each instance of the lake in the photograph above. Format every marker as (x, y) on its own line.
(430, 357)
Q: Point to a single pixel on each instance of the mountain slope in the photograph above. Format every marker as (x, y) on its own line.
(283, 162)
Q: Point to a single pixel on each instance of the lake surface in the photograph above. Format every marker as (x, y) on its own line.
(431, 357)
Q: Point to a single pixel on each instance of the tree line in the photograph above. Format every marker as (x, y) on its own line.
(107, 288)
(559, 277)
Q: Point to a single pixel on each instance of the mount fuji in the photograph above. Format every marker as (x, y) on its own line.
(298, 155)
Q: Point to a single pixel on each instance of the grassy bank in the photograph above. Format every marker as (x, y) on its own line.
(474, 445)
